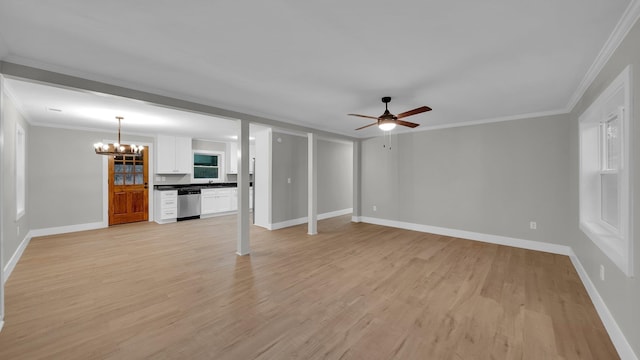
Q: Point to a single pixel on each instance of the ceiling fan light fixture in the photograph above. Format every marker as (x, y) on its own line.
(388, 121)
(387, 126)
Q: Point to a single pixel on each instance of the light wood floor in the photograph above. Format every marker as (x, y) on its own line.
(355, 291)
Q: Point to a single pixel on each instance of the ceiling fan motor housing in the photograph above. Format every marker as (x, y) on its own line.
(389, 119)
(387, 116)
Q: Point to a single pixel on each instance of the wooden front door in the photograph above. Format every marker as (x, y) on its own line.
(128, 188)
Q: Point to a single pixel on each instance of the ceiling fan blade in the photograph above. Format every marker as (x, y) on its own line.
(366, 126)
(407, 123)
(364, 116)
(414, 112)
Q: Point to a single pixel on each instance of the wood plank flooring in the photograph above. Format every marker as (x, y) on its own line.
(355, 291)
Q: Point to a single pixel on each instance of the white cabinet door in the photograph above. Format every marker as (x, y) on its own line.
(165, 154)
(184, 155)
(223, 200)
(233, 158)
(173, 155)
(207, 201)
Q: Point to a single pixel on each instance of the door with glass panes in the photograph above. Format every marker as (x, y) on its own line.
(128, 188)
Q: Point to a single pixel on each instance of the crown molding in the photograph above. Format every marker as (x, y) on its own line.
(624, 25)
(533, 115)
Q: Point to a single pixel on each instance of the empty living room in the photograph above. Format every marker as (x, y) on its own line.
(329, 180)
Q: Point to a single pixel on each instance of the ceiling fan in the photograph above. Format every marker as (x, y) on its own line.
(388, 121)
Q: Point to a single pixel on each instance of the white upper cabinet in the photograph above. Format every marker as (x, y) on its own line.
(233, 158)
(184, 155)
(173, 155)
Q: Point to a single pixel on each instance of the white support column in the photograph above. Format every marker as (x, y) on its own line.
(357, 173)
(312, 201)
(244, 247)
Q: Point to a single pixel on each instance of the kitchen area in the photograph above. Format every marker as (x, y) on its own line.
(195, 178)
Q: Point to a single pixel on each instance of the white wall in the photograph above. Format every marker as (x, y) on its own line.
(490, 179)
(335, 176)
(2, 210)
(13, 231)
(4, 50)
(65, 183)
(620, 293)
(289, 161)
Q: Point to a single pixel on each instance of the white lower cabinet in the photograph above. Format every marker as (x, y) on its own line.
(207, 201)
(166, 206)
(215, 200)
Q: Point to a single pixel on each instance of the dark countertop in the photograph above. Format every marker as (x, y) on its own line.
(198, 186)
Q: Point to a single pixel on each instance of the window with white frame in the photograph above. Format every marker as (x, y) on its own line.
(207, 166)
(21, 150)
(605, 207)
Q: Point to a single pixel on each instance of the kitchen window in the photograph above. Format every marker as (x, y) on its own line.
(605, 165)
(207, 166)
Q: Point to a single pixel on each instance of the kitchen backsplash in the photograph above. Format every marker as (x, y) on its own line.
(172, 179)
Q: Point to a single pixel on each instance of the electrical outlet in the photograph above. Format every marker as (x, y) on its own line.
(375, 208)
(533, 225)
(288, 180)
(602, 272)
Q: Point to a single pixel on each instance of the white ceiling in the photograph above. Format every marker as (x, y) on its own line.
(311, 63)
(61, 107)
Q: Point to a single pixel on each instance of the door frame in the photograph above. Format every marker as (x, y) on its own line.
(105, 182)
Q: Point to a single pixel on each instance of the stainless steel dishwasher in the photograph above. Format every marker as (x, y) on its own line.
(188, 204)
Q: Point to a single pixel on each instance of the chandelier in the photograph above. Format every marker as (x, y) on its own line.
(118, 148)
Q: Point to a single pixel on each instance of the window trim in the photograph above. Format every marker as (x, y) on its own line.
(21, 171)
(615, 242)
(220, 155)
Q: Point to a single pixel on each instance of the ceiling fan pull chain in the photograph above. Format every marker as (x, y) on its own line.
(386, 140)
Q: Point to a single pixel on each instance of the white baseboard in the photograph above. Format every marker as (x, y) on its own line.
(225, 213)
(302, 220)
(67, 229)
(1, 324)
(615, 333)
(288, 223)
(166, 221)
(488, 238)
(13, 261)
(331, 214)
(355, 219)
